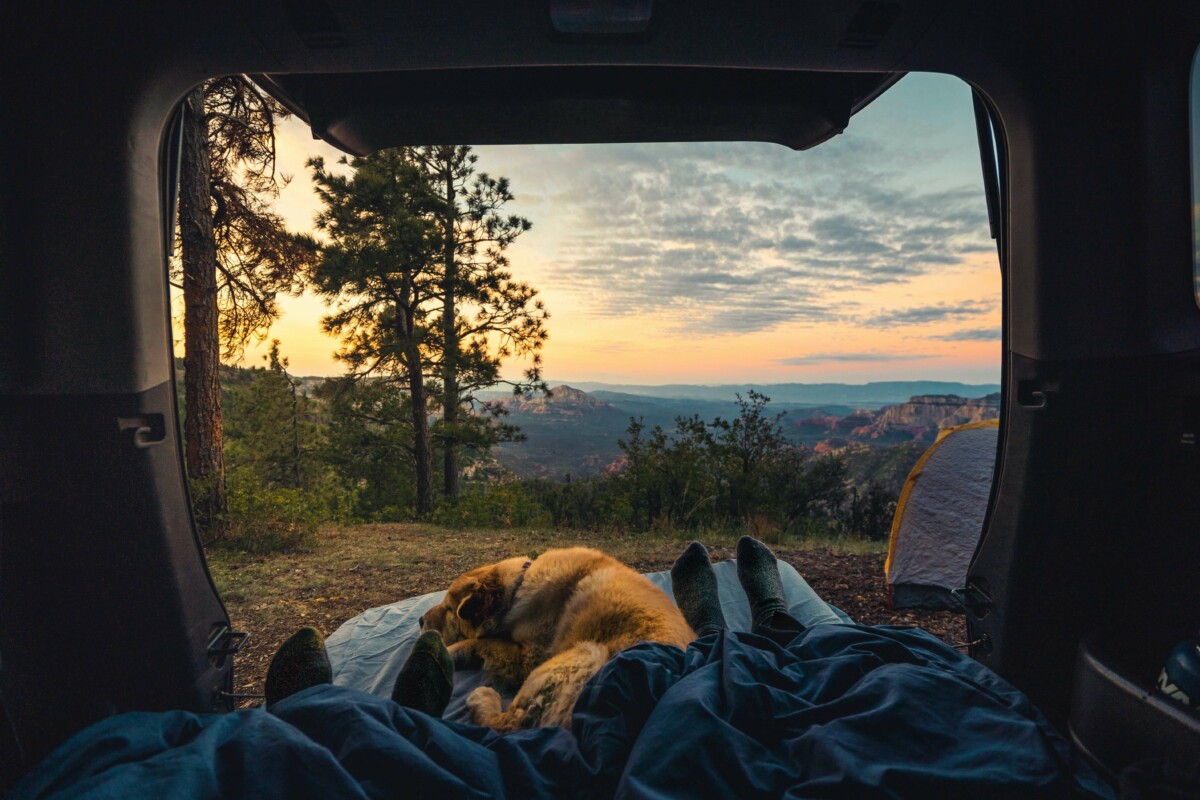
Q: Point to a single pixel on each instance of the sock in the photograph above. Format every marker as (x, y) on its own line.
(758, 573)
(299, 663)
(427, 677)
(694, 585)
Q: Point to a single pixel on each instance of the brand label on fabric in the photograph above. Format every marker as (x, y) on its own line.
(1172, 691)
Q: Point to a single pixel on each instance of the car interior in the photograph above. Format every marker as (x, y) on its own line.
(1088, 571)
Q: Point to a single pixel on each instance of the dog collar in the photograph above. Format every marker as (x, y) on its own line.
(517, 583)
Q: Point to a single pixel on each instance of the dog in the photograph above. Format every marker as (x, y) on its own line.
(547, 625)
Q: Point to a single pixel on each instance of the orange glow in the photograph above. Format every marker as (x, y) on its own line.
(640, 347)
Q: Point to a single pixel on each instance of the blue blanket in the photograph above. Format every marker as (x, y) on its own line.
(838, 711)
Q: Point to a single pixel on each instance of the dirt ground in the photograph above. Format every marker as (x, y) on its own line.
(348, 570)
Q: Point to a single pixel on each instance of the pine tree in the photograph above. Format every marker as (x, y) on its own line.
(380, 267)
(268, 424)
(745, 444)
(369, 444)
(486, 316)
(237, 256)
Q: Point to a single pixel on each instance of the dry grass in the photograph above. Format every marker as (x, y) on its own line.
(348, 570)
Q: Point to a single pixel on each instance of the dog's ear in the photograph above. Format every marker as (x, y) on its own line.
(483, 601)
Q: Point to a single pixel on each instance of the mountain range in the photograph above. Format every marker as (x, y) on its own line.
(575, 433)
(864, 395)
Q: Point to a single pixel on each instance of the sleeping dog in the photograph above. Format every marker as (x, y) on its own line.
(547, 625)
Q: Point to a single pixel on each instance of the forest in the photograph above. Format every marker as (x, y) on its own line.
(299, 453)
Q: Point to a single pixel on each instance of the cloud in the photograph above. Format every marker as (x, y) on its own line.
(972, 335)
(923, 315)
(825, 358)
(708, 238)
(739, 237)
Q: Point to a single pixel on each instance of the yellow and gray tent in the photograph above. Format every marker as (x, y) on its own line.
(939, 517)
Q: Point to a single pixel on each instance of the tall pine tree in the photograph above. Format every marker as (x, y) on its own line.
(380, 268)
(486, 316)
(236, 257)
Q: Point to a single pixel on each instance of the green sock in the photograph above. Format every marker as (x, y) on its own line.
(427, 677)
(299, 663)
(694, 585)
(758, 573)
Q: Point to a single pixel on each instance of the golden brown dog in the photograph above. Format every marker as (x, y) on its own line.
(547, 626)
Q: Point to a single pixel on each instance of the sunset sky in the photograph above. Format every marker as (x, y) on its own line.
(866, 258)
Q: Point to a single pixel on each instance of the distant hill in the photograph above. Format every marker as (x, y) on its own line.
(563, 401)
(865, 395)
(664, 410)
(568, 433)
(888, 466)
(575, 433)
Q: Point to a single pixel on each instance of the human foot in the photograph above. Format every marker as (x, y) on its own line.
(758, 572)
(427, 677)
(694, 585)
(299, 663)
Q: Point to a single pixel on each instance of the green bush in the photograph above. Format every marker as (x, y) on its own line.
(586, 504)
(501, 505)
(814, 528)
(329, 492)
(390, 513)
(261, 519)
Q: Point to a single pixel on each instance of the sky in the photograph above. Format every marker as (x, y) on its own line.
(866, 258)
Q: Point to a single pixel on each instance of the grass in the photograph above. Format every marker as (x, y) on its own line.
(840, 544)
(346, 570)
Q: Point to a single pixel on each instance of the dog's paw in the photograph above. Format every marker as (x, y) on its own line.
(483, 705)
(464, 655)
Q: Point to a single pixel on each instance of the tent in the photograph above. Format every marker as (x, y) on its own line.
(939, 517)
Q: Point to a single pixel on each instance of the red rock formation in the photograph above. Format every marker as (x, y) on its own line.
(563, 401)
(918, 420)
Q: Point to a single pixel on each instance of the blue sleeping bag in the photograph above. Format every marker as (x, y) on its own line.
(838, 711)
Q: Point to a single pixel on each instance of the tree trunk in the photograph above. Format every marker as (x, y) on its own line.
(201, 340)
(450, 398)
(422, 454)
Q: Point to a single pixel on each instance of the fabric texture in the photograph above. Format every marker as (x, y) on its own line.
(939, 517)
(368, 650)
(839, 711)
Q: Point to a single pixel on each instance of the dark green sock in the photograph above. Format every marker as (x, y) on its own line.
(299, 663)
(758, 573)
(694, 585)
(427, 677)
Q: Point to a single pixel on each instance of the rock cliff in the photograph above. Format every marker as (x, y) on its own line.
(918, 420)
(564, 401)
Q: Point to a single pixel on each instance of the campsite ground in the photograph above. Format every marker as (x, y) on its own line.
(347, 570)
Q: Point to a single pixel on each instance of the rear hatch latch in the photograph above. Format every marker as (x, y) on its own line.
(225, 643)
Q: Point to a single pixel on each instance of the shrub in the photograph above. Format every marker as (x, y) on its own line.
(587, 504)
(871, 512)
(501, 505)
(391, 513)
(330, 493)
(763, 528)
(261, 519)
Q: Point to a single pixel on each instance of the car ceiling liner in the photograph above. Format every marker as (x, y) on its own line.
(364, 112)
